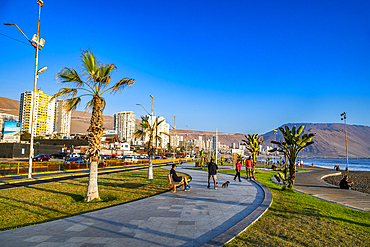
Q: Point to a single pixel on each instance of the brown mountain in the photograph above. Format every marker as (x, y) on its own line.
(329, 140)
(9, 106)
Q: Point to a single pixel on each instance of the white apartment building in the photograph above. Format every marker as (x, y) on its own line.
(164, 127)
(62, 123)
(44, 111)
(215, 142)
(175, 140)
(208, 144)
(124, 124)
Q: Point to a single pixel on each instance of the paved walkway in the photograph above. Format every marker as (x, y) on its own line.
(311, 183)
(202, 216)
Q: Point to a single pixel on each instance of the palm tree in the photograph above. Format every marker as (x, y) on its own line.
(97, 78)
(253, 143)
(149, 130)
(292, 144)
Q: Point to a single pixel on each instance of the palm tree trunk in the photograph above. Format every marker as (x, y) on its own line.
(150, 169)
(95, 132)
(292, 169)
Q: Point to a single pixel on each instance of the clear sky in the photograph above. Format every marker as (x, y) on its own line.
(239, 66)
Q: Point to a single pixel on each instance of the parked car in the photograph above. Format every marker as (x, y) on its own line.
(105, 157)
(76, 160)
(157, 157)
(60, 155)
(131, 158)
(84, 156)
(120, 156)
(142, 157)
(74, 155)
(41, 157)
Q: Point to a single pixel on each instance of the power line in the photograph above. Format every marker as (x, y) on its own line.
(15, 39)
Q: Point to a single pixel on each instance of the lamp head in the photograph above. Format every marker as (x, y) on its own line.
(8, 24)
(151, 96)
(42, 70)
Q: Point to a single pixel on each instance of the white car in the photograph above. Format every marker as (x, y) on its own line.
(131, 158)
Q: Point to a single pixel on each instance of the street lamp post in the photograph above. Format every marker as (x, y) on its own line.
(174, 134)
(275, 133)
(344, 117)
(38, 44)
(150, 170)
(186, 141)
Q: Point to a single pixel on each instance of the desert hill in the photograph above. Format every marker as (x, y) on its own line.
(329, 140)
(9, 106)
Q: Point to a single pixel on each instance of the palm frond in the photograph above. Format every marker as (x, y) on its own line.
(89, 63)
(65, 93)
(72, 103)
(67, 75)
(120, 85)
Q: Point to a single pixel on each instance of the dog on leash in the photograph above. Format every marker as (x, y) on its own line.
(226, 184)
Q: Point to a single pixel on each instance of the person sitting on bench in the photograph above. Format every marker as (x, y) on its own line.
(177, 179)
(344, 184)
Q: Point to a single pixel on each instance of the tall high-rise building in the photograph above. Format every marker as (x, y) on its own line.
(43, 113)
(62, 123)
(215, 143)
(175, 140)
(124, 124)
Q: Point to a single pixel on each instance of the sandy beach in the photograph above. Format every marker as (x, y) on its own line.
(361, 180)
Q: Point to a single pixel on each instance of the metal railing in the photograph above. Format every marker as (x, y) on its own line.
(14, 168)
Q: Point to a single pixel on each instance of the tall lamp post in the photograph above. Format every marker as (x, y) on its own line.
(344, 117)
(275, 133)
(38, 44)
(174, 133)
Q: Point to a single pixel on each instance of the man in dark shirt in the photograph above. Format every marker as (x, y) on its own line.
(212, 173)
(344, 184)
(177, 179)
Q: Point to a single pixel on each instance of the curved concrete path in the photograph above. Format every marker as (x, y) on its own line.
(200, 217)
(311, 183)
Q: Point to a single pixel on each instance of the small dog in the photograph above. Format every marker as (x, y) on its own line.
(226, 184)
(216, 184)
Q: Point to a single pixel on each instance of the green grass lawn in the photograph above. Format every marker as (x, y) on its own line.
(296, 219)
(46, 202)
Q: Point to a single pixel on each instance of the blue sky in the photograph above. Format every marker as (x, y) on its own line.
(239, 66)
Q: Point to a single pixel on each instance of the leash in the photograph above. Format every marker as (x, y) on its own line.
(221, 177)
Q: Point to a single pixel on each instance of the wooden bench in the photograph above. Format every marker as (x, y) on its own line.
(174, 184)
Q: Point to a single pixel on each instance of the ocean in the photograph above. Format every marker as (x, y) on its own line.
(353, 164)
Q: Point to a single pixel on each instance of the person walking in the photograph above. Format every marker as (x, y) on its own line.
(248, 167)
(212, 173)
(237, 169)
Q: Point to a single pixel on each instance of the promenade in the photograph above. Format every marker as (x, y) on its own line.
(200, 217)
(311, 183)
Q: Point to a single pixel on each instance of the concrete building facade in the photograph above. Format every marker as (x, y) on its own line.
(62, 118)
(44, 111)
(124, 124)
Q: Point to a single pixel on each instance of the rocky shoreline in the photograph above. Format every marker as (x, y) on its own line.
(361, 180)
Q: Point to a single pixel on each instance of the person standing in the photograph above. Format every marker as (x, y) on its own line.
(248, 166)
(212, 173)
(237, 169)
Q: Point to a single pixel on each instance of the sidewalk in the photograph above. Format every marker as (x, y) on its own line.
(312, 184)
(200, 217)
